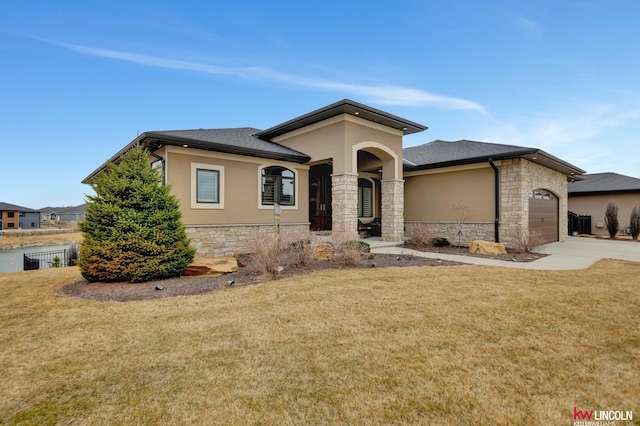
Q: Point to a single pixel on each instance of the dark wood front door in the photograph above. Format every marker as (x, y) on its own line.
(320, 197)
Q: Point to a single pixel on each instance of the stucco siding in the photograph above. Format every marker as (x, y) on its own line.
(334, 139)
(595, 206)
(432, 197)
(241, 189)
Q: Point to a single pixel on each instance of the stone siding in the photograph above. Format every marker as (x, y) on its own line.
(392, 209)
(344, 205)
(469, 231)
(229, 240)
(518, 179)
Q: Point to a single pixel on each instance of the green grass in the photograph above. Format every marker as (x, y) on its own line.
(445, 345)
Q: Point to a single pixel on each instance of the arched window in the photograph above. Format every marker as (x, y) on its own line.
(365, 198)
(278, 186)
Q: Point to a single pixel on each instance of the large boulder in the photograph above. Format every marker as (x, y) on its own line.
(211, 266)
(486, 247)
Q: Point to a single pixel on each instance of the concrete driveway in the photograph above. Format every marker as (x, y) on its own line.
(575, 253)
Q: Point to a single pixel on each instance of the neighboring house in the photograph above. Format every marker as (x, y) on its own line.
(342, 163)
(590, 196)
(63, 214)
(18, 217)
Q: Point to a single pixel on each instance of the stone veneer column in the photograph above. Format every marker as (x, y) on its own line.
(392, 210)
(344, 205)
(514, 204)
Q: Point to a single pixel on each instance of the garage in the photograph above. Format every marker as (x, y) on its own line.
(543, 215)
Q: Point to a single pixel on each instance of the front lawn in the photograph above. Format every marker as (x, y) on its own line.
(445, 345)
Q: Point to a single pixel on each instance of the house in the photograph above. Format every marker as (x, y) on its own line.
(344, 163)
(591, 195)
(505, 191)
(18, 217)
(72, 214)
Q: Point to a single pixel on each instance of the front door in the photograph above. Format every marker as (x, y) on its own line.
(320, 197)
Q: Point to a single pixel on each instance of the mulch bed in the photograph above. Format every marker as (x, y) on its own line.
(186, 286)
(464, 251)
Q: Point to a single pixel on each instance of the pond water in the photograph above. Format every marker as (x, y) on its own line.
(11, 259)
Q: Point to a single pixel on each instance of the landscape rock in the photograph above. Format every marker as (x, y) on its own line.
(486, 247)
(211, 266)
(323, 251)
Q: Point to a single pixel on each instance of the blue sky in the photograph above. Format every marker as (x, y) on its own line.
(80, 79)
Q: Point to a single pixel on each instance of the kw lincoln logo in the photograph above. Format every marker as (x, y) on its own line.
(600, 417)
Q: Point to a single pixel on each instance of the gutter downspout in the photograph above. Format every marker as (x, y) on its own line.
(159, 158)
(496, 224)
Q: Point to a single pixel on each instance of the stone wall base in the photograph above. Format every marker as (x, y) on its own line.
(450, 230)
(230, 240)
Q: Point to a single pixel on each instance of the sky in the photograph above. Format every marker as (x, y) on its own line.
(81, 79)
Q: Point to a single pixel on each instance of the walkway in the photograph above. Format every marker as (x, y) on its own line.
(575, 253)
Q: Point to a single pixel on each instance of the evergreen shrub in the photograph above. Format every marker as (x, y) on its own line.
(133, 227)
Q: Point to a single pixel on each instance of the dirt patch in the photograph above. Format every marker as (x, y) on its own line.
(10, 242)
(186, 286)
(464, 251)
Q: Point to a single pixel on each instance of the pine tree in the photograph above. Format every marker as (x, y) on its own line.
(133, 227)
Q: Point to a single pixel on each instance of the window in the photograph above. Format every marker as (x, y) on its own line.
(365, 198)
(11, 214)
(11, 225)
(278, 186)
(207, 186)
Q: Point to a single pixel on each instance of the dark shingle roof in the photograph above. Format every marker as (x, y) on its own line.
(345, 106)
(236, 140)
(444, 153)
(239, 141)
(13, 207)
(604, 182)
(439, 151)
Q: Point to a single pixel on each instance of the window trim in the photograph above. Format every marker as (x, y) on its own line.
(194, 187)
(200, 173)
(296, 192)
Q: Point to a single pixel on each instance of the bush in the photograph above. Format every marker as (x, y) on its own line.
(527, 240)
(634, 222)
(268, 253)
(350, 253)
(272, 252)
(133, 227)
(419, 236)
(611, 219)
(439, 242)
(300, 249)
(56, 262)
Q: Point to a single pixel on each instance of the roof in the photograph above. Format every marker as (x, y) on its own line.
(604, 183)
(240, 141)
(345, 106)
(440, 153)
(13, 207)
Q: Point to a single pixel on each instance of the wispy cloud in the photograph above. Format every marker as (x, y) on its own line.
(385, 94)
(587, 137)
(528, 24)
